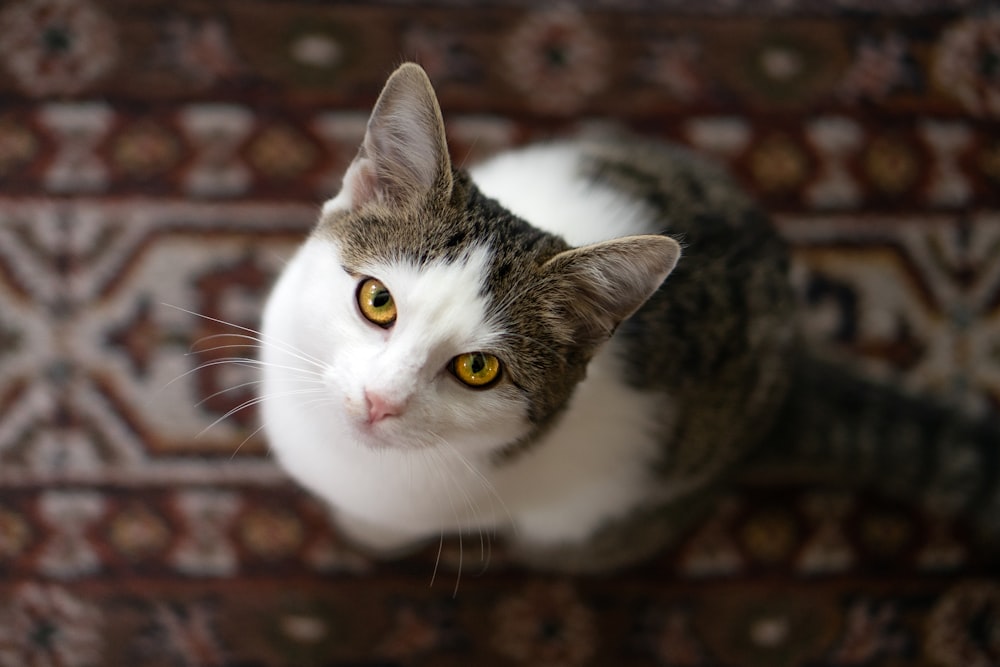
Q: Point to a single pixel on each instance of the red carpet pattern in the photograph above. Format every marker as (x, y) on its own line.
(159, 161)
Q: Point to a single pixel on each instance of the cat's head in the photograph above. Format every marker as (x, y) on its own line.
(444, 317)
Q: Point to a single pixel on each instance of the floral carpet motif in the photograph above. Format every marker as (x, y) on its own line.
(159, 161)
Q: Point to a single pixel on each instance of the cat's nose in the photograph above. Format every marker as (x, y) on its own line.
(380, 407)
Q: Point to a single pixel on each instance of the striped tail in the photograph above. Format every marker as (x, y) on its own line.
(840, 430)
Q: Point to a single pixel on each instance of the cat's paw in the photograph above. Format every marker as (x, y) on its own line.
(377, 540)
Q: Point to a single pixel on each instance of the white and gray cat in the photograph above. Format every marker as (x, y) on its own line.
(499, 350)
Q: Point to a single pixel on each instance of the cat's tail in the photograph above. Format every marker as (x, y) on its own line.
(839, 429)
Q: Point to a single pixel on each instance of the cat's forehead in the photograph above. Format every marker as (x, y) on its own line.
(442, 230)
(403, 236)
(440, 301)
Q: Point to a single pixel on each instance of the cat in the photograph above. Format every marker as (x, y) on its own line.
(571, 345)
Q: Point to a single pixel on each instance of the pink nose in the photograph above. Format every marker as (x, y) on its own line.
(380, 407)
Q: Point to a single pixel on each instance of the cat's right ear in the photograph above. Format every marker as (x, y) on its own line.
(404, 155)
(597, 286)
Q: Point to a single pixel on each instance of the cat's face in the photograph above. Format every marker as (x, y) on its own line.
(445, 324)
(414, 354)
(391, 333)
(441, 318)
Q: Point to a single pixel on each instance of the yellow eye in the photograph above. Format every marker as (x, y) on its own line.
(376, 303)
(476, 369)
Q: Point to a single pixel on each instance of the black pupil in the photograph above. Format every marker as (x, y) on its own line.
(381, 298)
(478, 363)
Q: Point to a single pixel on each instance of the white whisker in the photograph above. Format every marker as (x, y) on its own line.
(487, 484)
(245, 441)
(252, 402)
(437, 560)
(307, 404)
(259, 336)
(438, 465)
(257, 343)
(225, 391)
(485, 537)
(244, 362)
(250, 362)
(444, 453)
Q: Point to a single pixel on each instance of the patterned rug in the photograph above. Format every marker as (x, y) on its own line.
(159, 159)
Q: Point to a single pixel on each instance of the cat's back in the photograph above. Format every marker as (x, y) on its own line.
(546, 185)
(594, 189)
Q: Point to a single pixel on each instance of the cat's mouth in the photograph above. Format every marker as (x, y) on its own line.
(383, 435)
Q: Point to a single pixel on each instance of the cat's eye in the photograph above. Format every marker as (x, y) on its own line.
(476, 369)
(376, 302)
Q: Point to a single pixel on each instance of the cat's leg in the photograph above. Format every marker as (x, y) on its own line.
(379, 541)
(619, 543)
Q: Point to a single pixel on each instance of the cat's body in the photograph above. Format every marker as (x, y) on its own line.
(617, 403)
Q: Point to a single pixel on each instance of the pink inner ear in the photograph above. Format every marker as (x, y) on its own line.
(363, 183)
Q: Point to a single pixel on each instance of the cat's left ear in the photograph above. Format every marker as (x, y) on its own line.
(600, 285)
(404, 155)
